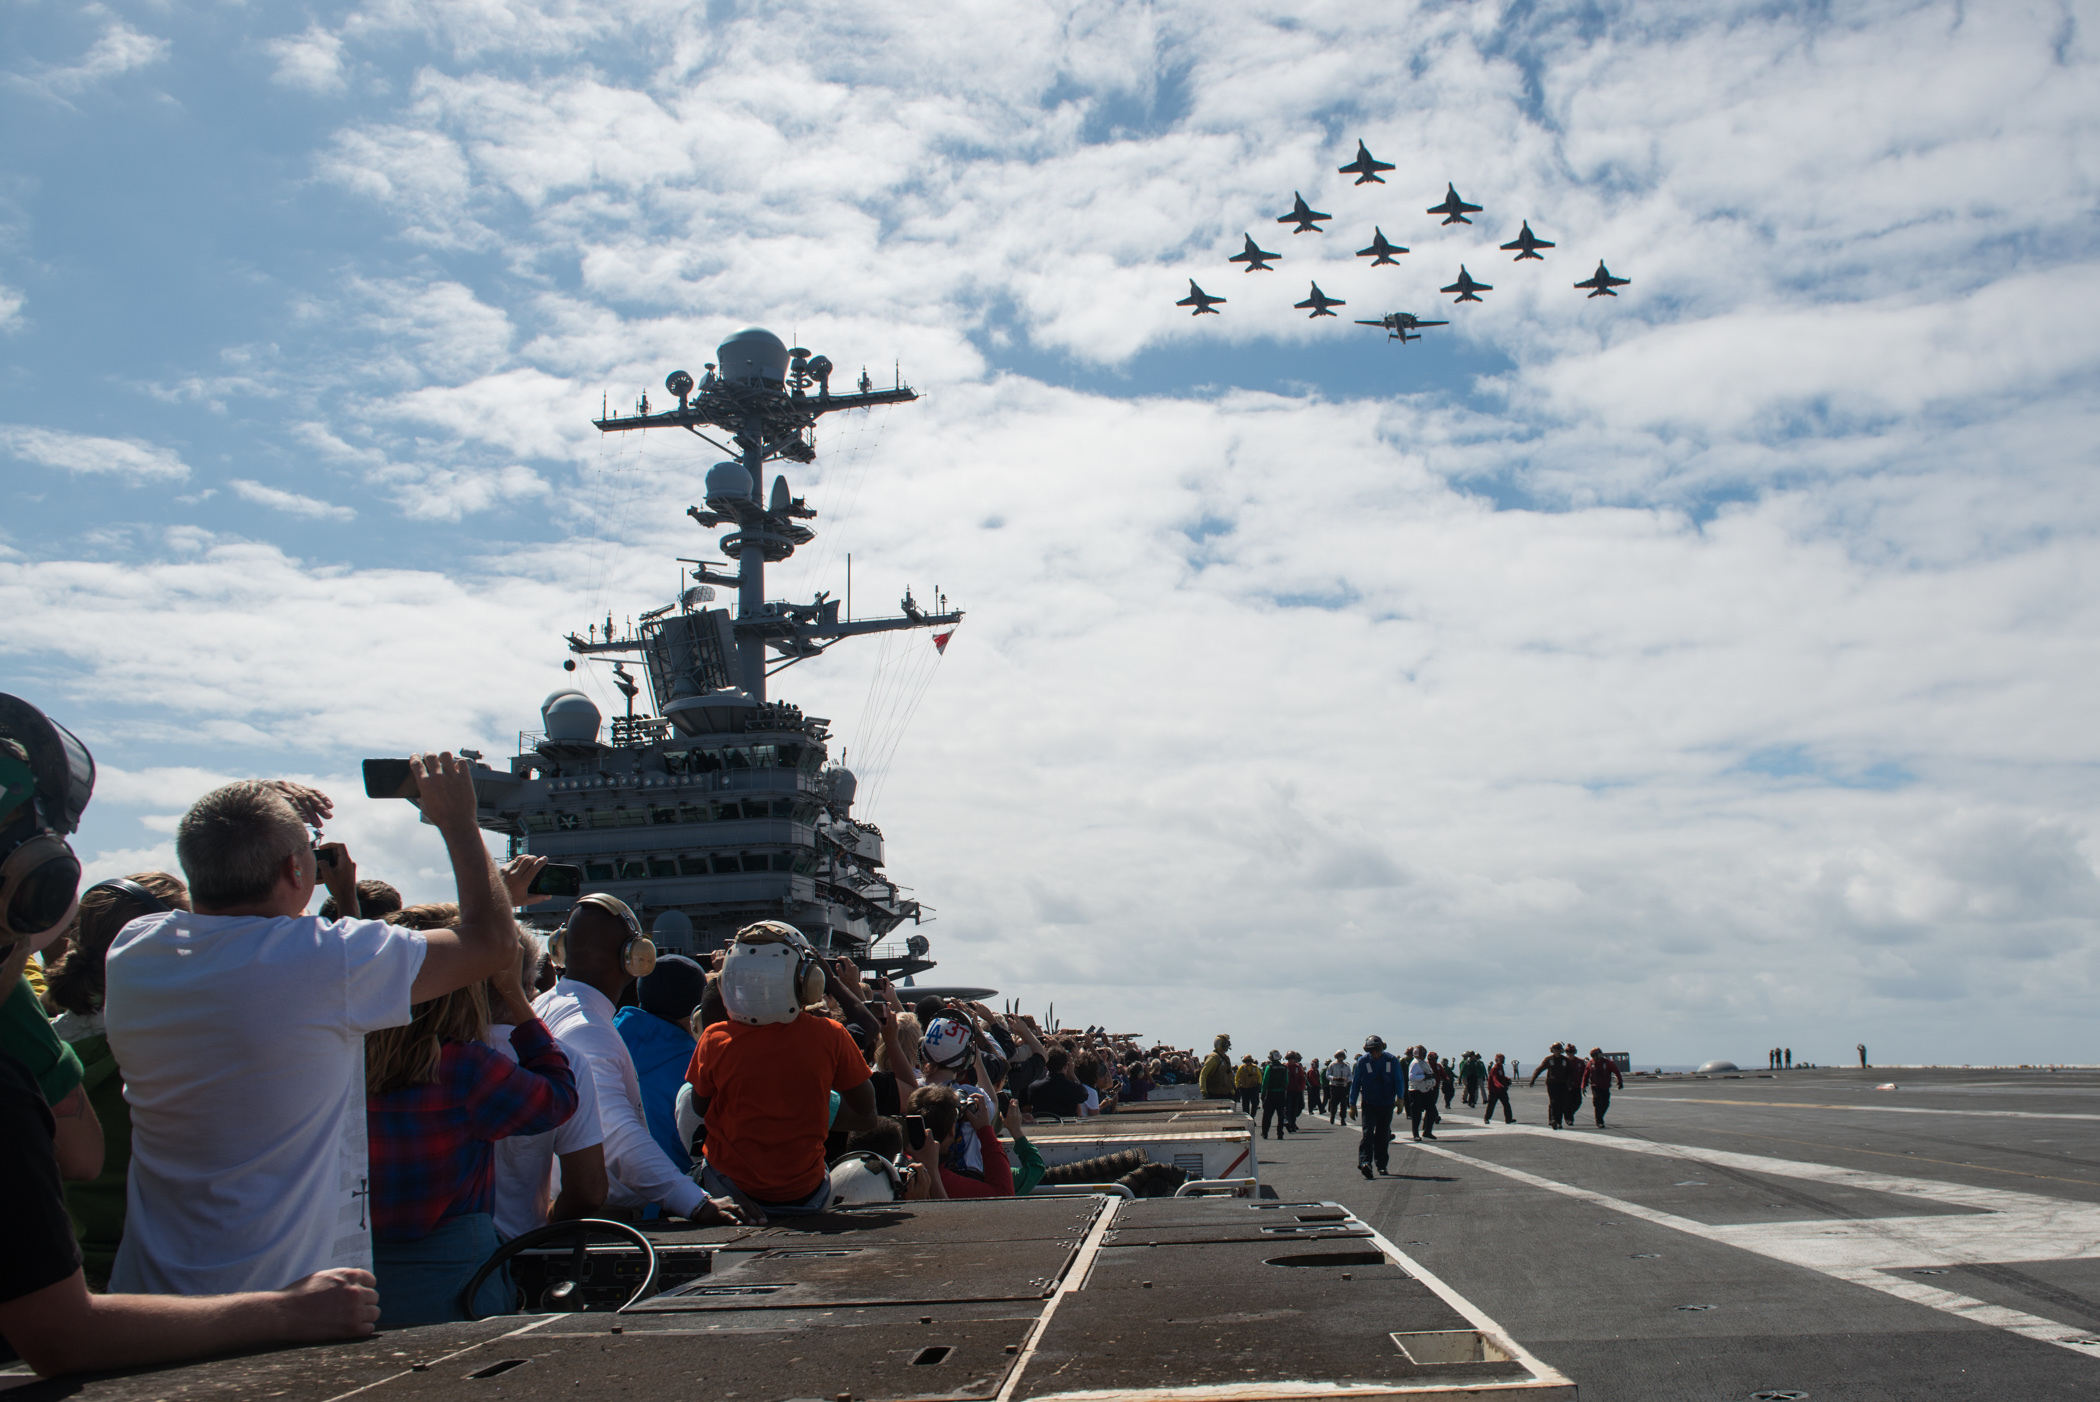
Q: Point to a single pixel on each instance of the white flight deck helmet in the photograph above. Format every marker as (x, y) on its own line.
(865, 1177)
(769, 974)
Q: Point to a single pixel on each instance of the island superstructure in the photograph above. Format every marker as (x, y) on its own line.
(714, 804)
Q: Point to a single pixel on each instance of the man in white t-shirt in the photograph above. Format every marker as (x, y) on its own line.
(525, 1196)
(241, 1029)
(578, 1010)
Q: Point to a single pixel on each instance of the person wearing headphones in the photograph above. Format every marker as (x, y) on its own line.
(1375, 1085)
(76, 986)
(601, 951)
(763, 1078)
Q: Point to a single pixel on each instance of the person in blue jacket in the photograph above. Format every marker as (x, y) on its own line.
(661, 1044)
(1376, 1084)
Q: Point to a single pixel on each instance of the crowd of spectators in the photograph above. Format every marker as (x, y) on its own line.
(230, 1123)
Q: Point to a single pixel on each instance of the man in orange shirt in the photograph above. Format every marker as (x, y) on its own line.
(762, 1080)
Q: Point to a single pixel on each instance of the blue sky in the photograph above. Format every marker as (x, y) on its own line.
(1706, 665)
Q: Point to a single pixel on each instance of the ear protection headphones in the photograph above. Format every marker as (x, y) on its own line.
(637, 956)
(148, 903)
(38, 880)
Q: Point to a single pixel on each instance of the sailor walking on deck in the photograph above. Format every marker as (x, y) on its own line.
(1373, 1088)
(1294, 1092)
(1246, 1085)
(1275, 1095)
(1470, 1074)
(1559, 1070)
(1338, 1088)
(1421, 1094)
(1214, 1077)
(1498, 1090)
(1314, 1086)
(1603, 1071)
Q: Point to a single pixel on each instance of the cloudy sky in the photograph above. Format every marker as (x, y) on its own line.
(1693, 672)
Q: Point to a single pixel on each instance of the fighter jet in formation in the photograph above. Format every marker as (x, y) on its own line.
(1257, 260)
(1303, 215)
(1398, 324)
(1319, 302)
(1602, 282)
(1200, 300)
(1467, 289)
(1528, 243)
(1453, 208)
(1364, 168)
(1380, 251)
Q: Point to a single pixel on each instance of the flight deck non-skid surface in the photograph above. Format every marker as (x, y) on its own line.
(980, 1300)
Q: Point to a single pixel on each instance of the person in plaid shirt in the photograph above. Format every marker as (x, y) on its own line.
(437, 1100)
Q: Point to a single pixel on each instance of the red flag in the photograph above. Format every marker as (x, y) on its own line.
(940, 641)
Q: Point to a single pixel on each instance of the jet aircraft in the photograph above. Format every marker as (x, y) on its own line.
(1364, 167)
(1467, 289)
(1398, 324)
(1380, 251)
(1200, 300)
(1602, 282)
(1529, 244)
(1256, 259)
(1319, 302)
(1305, 216)
(1453, 208)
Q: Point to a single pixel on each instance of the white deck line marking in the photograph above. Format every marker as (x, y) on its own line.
(1878, 1109)
(1075, 1276)
(2012, 1227)
(448, 1357)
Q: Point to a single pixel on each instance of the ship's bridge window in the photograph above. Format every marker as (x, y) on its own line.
(805, 861)
(805, 810)
(727, 862)
(633, 817)
(694, 812)
(812, 759)
(633, 870)
(568, 822)
(790, 756)
(692, 866)
(539, 822)
(756, 861)
(782, 861)
(703, 761)
(666, 814)
(737, 758)
(757, 808)
(599, 817)
(662, 866)
(598, 871)
(764, 756)
(674, 761)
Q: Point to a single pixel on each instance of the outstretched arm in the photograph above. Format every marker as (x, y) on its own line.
(63, 1329)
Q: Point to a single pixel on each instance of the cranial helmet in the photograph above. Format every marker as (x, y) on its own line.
(1374, 1043)
(946, 1043)
(1222, 1042)
(769, 973)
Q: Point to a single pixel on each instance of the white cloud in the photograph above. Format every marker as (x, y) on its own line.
(120, 49)
(311, 62)
(290, 503)
(11, 302)
(80, 452)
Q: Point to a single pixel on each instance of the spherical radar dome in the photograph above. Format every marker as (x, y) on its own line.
(753, 354)
(728, 481)
(570, 715)
(1713, 1066)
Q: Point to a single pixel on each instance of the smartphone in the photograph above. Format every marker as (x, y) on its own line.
(1006, 1098)
(915, 1131)
(556, 879)
(389, 778)
(324, 857)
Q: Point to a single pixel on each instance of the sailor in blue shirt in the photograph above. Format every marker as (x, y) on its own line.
(1376, 1084)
